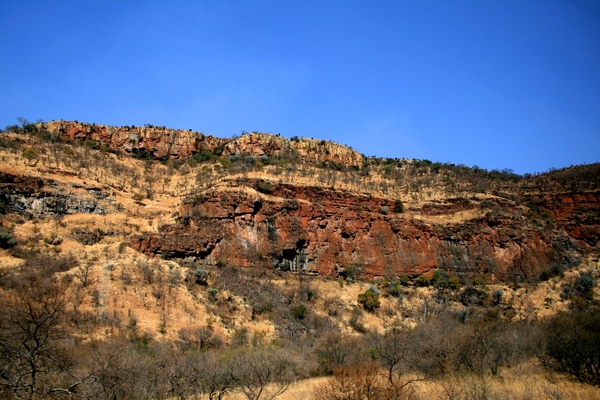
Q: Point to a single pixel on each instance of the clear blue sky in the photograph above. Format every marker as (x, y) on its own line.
(499, 84)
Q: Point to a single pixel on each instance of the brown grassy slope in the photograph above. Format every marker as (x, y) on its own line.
(74, 168)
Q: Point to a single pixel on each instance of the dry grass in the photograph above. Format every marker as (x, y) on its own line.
(540, 385)
(514, 386)
(303, 389)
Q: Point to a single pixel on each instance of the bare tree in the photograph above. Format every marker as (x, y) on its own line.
(258, 368)
(391, 350)
(362, 381)
(115, 369)
(335, 350)
(34, 362)
(217, 376)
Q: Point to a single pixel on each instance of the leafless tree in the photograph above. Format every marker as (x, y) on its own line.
(258, 368)
(34, 361)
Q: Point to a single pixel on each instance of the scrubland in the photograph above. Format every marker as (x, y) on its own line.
(84, 315)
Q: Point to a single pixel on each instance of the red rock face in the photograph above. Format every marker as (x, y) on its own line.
(308, 150)
(159, 142)
(577, 213)
(176, 144)
(321, 231)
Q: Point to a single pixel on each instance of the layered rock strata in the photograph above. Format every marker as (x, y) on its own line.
(322, 231)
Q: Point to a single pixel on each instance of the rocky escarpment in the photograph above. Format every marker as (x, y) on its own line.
(577, 213)
(45, 198)
(307, 150)
(176, 144)
(317, 230)
(147, 141)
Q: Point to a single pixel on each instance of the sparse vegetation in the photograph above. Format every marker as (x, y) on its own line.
(201, 276)
(370, 299)
(398, 206)
(6, 239)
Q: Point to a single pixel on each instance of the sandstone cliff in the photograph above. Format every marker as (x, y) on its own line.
(163, 143)
(322, 231)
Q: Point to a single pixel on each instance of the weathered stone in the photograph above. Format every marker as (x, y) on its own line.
(331, 230)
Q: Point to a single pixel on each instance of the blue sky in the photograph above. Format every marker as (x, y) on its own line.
(499, 84)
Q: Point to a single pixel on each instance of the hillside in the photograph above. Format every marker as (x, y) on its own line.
(154, 237)
(318, 207)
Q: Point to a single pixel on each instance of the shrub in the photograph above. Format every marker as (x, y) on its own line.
(545, 275)
(88, 237)
(299, 311)
(374, 290)
(454, 282)
(265, 187)
(571, 345)
(477, 281)
(473, 296)
(369, 300)
(91, 144)
(350, 273)
(137, 198)
(251, 160)
(424, 280)
(226, 162)
(30, 153)
(384, 209)
(201, 276)
(362, 381)
(6, 240)
(200, 156)
(395, 289)
(398, 206)
(221, 263)
(585, 283)
(69, 151)
(497, 295)
(441, 279)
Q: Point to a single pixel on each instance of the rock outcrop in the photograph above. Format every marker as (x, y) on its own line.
(323, 231)
(308, 150)
(176, 144)
(150, 141)
(45, 198)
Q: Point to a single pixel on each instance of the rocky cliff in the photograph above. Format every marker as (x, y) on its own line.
(153, 141)
(46, 198)
(163, 143)
(323, 231)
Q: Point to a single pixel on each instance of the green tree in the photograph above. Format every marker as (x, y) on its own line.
(30, 153)
(369, 299)
(138, 197)
(398, 206)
